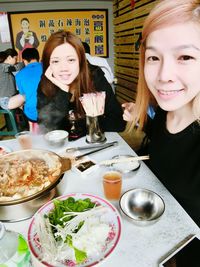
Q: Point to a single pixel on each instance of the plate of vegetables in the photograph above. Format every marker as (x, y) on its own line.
(74, 230)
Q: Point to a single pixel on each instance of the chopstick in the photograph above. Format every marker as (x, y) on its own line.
(134, 158)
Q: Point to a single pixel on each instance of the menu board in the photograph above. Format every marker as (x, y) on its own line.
(90, 25)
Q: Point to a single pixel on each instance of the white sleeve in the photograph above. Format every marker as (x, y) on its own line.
(22, 41)
(108, 72)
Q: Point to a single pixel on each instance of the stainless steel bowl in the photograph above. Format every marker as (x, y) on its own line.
(56, 138)
(142, 206)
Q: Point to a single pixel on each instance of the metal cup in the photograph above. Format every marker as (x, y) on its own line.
(94, 132)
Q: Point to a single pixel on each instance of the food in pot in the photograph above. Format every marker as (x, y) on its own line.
(22, 175)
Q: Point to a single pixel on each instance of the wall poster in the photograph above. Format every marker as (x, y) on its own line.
(32, 28)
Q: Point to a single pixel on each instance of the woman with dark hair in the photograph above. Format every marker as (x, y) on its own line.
(66, 77)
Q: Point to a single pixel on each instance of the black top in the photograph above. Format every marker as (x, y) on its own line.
(174, 158)
(53, 112)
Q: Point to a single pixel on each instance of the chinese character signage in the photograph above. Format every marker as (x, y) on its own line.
(32, 29)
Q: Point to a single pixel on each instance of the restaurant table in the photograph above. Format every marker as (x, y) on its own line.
(139, 246)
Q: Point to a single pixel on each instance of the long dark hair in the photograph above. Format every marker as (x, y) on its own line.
(83, 83)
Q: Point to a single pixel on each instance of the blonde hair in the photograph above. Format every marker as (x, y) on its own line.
(164, 14)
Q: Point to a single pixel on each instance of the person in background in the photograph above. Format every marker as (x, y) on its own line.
(66, 77)
(169, 81)
(2, 56)
(26, 38)
(99, 61)
(27, 81)
(8, 65)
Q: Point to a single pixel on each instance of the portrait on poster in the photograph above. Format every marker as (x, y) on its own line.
(32, 29)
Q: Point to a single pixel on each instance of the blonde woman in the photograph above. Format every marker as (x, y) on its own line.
(169, 79)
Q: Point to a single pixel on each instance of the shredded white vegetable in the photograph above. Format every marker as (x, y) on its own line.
(91, 238)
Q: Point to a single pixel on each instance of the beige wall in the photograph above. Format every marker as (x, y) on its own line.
(17, 5)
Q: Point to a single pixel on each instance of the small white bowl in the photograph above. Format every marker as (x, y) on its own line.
(56, 138)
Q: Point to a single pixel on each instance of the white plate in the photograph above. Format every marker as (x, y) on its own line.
(111, 217)
(4, 150)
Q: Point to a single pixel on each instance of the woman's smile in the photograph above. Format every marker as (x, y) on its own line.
(169, 94)
(64, 76)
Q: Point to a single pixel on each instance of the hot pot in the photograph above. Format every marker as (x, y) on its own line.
(24, 207)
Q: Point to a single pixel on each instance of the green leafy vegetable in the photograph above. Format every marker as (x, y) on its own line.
(68, 205)
(58, 230)
(79, 254)
(63, 212)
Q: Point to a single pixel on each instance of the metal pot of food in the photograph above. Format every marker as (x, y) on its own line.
(28, 179)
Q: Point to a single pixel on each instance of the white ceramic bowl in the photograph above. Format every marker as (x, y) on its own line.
(56, 138)
(142, 206)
